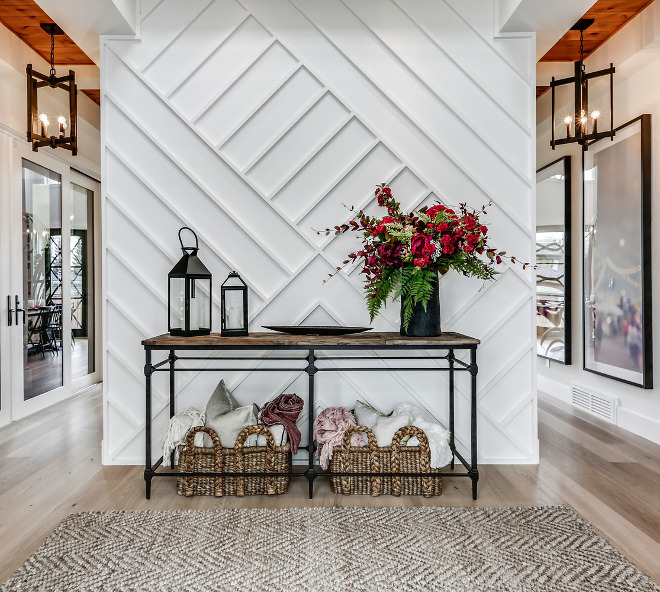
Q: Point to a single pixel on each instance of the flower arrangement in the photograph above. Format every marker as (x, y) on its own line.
(402, 254)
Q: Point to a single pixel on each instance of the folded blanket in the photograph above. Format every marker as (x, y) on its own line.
(329, 428)
(284, 409)
(438, 436)
(176, 431)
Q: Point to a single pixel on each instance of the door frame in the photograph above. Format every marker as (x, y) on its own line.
(14, 406)
(97, 376)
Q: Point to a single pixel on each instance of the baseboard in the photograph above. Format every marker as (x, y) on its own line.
(638, 424)
(554, 388)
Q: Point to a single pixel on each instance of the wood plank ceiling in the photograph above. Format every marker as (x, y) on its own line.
(609, 17)
(23, 18)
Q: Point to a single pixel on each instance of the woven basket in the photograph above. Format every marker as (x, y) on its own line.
(251, 459)
(386, 459)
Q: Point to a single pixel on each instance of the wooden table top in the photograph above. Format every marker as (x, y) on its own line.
(270, 339)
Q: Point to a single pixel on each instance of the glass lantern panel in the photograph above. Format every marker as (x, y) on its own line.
(234, 309)
(200, 304)
(177, 303)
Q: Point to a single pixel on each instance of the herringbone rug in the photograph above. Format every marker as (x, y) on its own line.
(329, 549)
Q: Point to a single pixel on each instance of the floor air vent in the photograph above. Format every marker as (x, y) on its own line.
(596, 404)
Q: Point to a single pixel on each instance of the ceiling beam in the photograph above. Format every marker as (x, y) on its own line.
(550, 24)
(84, 20)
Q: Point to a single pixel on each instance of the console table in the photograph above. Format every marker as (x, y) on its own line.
(392, 345)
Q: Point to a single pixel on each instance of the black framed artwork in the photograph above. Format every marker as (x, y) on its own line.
(617, 335)
(553, 261)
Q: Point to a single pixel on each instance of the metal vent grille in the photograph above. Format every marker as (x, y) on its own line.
(596, 404)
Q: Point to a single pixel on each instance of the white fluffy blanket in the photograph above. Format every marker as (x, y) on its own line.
(176, 431)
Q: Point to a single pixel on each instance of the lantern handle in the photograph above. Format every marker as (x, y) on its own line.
(185, 249)
(233, 274)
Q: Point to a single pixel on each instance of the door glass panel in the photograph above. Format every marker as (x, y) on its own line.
(42, 280)
(82, 281)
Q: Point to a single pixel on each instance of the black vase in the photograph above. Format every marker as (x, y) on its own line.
(425, 323)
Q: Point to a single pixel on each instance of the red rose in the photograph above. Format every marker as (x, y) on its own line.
(419, 243)
(484, 229)
(431, 212)
(421, 262)
(381, 227)
(442, 227)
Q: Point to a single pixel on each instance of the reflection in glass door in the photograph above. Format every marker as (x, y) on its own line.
(43, 362)
(82, 281)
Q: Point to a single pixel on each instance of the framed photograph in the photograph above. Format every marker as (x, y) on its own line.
(553, 261)
(617, 255)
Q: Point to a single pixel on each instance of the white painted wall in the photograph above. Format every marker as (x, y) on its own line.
(636, 54)
(253, 122)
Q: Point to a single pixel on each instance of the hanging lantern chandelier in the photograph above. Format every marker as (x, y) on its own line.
(577, 125)
(38, 121)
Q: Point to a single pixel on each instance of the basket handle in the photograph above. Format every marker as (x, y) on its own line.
(189, 462)
(424, 459)
(239, 455)
(372, 445)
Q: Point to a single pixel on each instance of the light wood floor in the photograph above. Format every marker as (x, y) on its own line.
(50, 466)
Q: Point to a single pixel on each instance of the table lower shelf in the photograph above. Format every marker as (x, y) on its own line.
(313, 473)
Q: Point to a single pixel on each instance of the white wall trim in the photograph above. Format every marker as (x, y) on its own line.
(638, 424)
(554, 388)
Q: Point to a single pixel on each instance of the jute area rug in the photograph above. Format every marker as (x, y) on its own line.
(329, 549)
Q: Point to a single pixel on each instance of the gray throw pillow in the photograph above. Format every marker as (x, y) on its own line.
(230, 424)
(221, 402)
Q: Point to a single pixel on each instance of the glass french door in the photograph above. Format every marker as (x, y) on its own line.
(52, 275)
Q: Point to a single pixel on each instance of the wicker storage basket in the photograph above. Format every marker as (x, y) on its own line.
(251, 459)
(387, 459)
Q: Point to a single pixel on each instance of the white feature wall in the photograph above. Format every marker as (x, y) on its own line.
(254, 122)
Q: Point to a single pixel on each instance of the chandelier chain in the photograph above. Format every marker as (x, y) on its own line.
(52, 55)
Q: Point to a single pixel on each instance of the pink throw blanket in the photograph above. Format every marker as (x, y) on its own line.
(329, 427)
(284, 409)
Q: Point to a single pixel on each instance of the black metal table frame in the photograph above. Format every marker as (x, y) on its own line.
(453, 365)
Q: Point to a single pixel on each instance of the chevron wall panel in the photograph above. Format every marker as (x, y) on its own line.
(254, 122)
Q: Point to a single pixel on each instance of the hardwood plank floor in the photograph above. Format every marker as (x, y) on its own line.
(50, 467)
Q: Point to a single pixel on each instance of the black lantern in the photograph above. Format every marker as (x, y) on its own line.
(580, 118)
(234, 306)
(189, 294)
(65, 133)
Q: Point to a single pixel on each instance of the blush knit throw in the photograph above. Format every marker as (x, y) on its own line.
(284, 409)
(329, 427)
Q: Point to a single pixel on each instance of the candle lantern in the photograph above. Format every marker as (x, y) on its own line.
(189, 294)
(234, 306)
